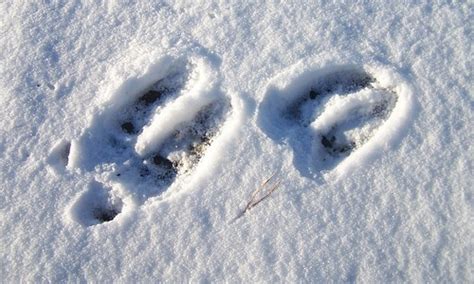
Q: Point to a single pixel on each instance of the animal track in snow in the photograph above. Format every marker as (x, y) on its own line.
(342, 112)
(58, 157)
(337, 117)
(141, 142)
(98, 204)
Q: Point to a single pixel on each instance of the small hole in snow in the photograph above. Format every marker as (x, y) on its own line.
(128, 127)
(150, 97)
(105, 214)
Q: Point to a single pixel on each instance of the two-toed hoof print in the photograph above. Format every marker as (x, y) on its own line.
(145, 139)
(335, 118)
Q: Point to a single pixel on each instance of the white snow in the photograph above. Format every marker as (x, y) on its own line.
(133, 134)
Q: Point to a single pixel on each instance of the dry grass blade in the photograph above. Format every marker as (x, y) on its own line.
(253, 198)
(266, 195)
(254, 194)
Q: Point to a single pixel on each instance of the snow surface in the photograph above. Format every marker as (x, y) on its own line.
(360, 111)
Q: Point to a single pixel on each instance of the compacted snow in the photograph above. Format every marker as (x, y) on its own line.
(210, 141)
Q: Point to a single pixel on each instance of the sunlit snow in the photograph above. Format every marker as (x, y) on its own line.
(246, 142)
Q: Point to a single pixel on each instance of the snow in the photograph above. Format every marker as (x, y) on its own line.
(134, 133)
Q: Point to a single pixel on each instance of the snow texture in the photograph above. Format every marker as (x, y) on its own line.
(134, 134)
